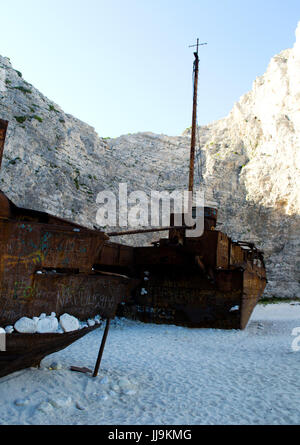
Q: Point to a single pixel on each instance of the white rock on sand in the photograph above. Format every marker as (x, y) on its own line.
(45, 407)
(80, 406)
(25, 326)
(61, 402)
(55, 366)
(22, 402)
(104, 380)
(124, 383)
(69, 323)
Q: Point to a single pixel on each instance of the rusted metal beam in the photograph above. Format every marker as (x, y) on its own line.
(135, 232)
(82, 370)
(101, 348)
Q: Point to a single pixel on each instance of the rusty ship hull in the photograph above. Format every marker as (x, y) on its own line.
(46, 265)
(207, 283)
(28, 350)
(204, 282)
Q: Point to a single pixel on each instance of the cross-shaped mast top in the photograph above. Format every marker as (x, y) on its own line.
(197, 45)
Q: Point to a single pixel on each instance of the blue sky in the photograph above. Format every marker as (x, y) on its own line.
(124, 66)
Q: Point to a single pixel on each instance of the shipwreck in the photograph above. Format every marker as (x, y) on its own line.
(48, 264)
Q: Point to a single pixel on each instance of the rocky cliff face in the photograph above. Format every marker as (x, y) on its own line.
(250, 163)
(52, 161)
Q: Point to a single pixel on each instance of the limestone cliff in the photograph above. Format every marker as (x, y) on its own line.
(52, 161)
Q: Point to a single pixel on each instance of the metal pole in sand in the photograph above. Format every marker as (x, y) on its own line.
(101, 348)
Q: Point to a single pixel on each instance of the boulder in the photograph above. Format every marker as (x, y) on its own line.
(25, 326)
(69, 323)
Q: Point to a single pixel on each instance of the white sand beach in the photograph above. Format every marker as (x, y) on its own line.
(167, 375)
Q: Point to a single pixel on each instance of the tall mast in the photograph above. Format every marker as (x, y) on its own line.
(194, 123)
